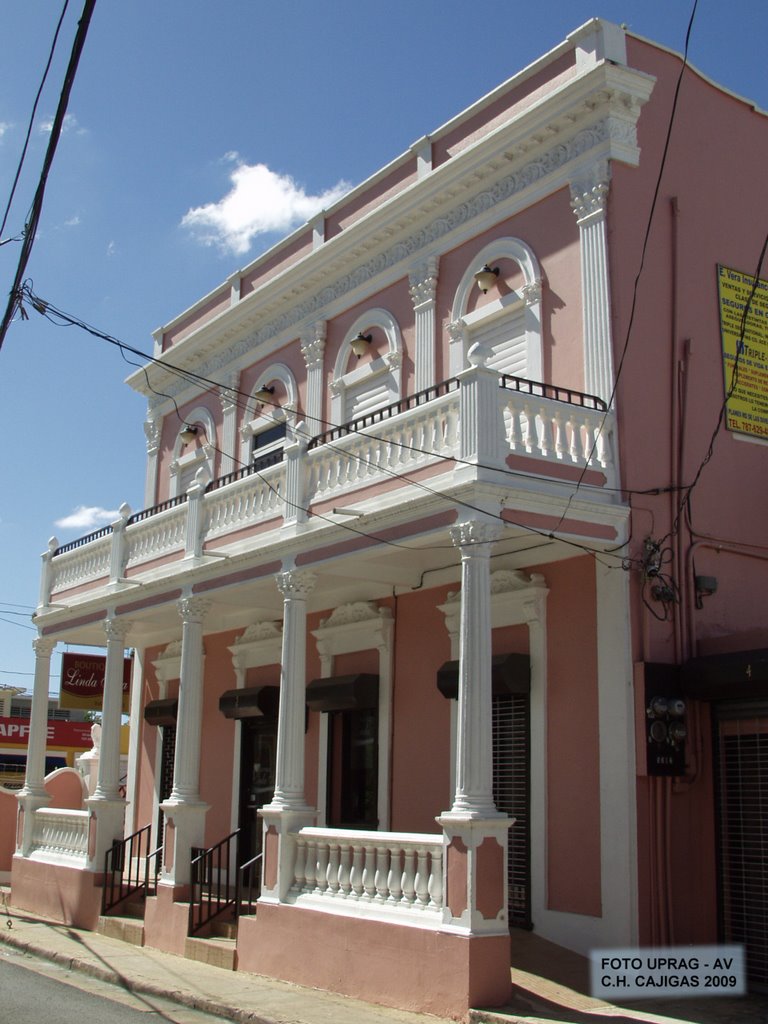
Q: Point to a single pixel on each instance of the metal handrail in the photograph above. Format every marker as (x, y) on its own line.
(386, 413)
(557, 394)
(155, 856)
(252, 887)
(123, 869)
(210, 890)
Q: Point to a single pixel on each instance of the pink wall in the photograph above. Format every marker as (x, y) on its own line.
(272, 264)
(371, 198)
(421, 755)
(573, 741)
(216, 304)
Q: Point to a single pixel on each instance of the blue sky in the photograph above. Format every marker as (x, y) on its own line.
(199, 133)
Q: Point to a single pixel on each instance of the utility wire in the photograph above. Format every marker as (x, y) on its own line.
(30, 230)
(52, 313)
(643, 251)
(29, 130)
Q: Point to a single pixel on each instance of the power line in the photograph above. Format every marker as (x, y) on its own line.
(46, 309)
(30, 230)
(646, 238)
(29, 130)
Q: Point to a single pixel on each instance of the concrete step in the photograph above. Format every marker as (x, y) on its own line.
(216, 951)
(126, 928)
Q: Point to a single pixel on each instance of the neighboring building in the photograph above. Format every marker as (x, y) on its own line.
(68, 736)
(432, 555)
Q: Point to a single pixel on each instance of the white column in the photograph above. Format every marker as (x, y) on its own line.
(108, 784)
(295, 586)
(423, 288)
(38, 723)
(184, 811)
(313, 348)
(589, 200)
(474, 748)
(189, 725)
(228, 398)
(152, 432)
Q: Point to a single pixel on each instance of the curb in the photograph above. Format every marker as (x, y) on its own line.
(145, 988)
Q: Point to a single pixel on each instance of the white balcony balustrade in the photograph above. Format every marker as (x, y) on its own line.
(60, 835)
(392, 873)
(521, 419)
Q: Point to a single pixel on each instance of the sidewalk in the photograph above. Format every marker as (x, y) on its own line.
(230, 994)
(550, 985)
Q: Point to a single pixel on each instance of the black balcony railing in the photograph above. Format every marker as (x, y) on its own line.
(539, 390)
(522, 385)
(386, 413)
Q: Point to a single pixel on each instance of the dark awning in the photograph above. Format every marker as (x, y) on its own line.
(250, 702)
(735, 676)
(161, 712)
(510, 673)
(343, 693)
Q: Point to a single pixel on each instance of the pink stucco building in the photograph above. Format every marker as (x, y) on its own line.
(421, 555)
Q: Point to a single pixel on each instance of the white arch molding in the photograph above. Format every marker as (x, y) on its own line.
(184, 467)
(376, 382)
(255, 422)
(510, 325)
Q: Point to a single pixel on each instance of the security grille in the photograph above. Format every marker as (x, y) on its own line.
(167, 757)
(743, 834)
(511, 793)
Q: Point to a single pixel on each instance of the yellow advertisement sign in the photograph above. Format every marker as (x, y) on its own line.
(746, 378)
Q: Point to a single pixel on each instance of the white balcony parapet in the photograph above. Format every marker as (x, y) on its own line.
(81, 564)
(413, 438)
(389, 874)
(157, 536)
(558, 431)
(251, 499)
(60, 833)
(544, 424)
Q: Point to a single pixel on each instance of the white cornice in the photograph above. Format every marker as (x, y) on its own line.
(590, 117)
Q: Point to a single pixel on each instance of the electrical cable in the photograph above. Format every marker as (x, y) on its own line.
(29, 131)
(643, 251)
(51, 312)
(30, 230)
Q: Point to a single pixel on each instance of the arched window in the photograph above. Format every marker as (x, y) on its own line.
(268, 420)
(507, 321)
(374, 380)
(189, 457)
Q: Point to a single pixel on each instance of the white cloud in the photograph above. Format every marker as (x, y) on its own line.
(70, 124)
(73, 222)
(87, 518)
(259, 201)
(4, 127)
(111, 248)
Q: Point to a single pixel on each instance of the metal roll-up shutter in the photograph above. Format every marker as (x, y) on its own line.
(511, 794)
(742, 806)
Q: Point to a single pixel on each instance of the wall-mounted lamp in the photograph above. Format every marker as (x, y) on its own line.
(188, 433)
(486, 277)
(264, 393)
(706, 586)
(359, 345)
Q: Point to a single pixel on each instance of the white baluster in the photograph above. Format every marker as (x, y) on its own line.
(356, 871)
(395, 877)
(300, 864)
(422, 878)
(382, 870)
(344, 869)
(547, 445)
(409, 877)
(436, 879)
(332, 873)
(321, 881)
(310, 866)
(369, 872)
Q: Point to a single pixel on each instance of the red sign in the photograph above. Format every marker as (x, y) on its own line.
(15, 732)
(82, 680)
